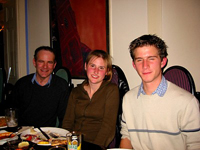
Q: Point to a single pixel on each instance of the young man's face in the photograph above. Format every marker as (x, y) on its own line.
(148, 64)
(44, 64)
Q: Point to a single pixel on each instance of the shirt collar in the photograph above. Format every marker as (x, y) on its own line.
(47, 84)
(161, 89)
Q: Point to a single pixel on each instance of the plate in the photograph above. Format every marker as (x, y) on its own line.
(7, 139)
(60, 131)
(2, 122)
(14, 144)
(119, 149)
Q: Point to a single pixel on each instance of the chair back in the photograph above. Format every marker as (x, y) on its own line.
(120, 80)
(65, 74)
(181, 77)
(2, 84)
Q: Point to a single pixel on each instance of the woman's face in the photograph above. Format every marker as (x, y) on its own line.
(96, 70)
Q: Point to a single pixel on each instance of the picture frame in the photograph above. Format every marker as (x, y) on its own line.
(78, 27)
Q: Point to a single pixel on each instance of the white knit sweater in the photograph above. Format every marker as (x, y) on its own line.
(171, 122)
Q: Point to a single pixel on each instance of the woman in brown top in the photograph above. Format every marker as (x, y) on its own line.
(93, 105)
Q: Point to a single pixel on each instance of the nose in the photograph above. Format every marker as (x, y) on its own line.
(145, 64)
(45, 65)
(96, 70)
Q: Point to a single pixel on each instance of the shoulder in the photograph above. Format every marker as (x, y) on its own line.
(25, 79)
(111, 85)
(58, 79)
(59, 82)
(176, 91)
(130, 96)
(133, 92)
(179, 96)
(108, 86)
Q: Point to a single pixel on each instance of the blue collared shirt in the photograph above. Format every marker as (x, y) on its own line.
(161, 89)
(34, 79)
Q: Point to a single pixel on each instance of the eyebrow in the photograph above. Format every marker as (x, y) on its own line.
(147, 57)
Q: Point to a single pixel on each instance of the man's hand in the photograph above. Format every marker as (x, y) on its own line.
(125, 143)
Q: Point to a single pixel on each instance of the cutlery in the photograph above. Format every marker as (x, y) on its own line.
(47, 137)
(53, 135)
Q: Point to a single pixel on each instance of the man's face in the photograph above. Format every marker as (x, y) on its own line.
(44, 64)
(148, 64)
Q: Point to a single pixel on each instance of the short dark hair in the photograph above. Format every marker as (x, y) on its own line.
(47, 48)
(151, 40)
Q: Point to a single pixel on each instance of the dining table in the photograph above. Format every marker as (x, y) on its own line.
(33, 146)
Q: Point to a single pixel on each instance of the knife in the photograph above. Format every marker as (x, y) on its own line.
(47, 137)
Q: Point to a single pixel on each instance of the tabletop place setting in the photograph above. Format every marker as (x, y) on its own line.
(34, 139)
(13, 137)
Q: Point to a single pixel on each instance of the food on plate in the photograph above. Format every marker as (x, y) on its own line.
(23, 145)
(5, 135)
(28, 137)
(2, 121)
(55, 142)
(32, 138)
(57, 136)
(43, 142)
(32, 131)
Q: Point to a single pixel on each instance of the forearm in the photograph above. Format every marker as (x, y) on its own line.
(190, 125)
(125, 143)
(68, 120)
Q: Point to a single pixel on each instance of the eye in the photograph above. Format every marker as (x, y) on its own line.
(138, 60)
(151, 58)
(50, 62)
(92, 65)
(40, 61)
(101, 68)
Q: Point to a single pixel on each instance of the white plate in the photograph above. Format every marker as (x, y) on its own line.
(119, 149)
(7, 139)
(60, 131)
(2, 126)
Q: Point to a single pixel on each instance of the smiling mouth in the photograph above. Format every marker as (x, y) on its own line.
(44, 70)
(146, 73)
(94, 76)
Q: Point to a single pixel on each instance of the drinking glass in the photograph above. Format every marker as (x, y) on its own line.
(57, 148)
(11, 115)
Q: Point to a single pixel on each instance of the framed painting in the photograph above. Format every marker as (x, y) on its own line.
(78, 27)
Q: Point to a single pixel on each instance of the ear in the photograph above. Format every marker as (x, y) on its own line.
(85, 67)
(55, 64)
(133, 65)
(34, 62)
(164, 62)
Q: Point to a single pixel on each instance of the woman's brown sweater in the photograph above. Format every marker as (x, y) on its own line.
(95, 118)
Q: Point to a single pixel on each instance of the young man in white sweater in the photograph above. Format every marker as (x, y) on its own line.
(157, 115)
